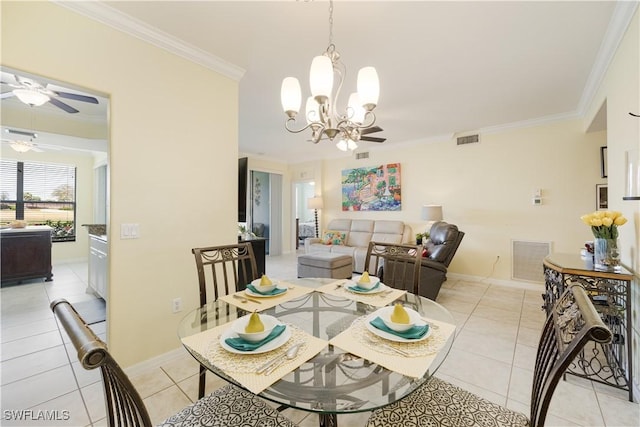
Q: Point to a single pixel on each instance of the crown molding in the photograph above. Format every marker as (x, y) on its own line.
(620, 20)
(107, 15)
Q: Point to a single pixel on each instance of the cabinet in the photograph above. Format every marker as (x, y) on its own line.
(26, 253)
(98, 259)
(610, 293)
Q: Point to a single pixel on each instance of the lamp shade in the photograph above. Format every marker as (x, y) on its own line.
(432, 213)
(356, 111)
(290, 95)
(321, 76)
(312, 110)
(632, 191)
(314, 203)
(368, 87)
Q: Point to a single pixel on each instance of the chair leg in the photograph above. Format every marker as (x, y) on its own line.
(202, 378)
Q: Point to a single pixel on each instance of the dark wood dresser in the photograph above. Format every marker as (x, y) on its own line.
(26, 253)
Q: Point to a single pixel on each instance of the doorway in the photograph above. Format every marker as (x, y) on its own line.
(266, 209)
(304, 216)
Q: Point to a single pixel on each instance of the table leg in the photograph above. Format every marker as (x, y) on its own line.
(328, 420)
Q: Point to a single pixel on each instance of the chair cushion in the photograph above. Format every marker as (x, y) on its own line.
(439, 403)
(441, 240)
(228, 406)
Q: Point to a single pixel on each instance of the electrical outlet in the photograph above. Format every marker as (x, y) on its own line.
(177, 305)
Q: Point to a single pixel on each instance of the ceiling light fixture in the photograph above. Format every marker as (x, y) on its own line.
(21, 146)
(321, 113)
(31, 97)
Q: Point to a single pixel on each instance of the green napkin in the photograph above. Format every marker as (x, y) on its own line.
(412, 333)
(275, 291)
(359, 289)
(242, 345)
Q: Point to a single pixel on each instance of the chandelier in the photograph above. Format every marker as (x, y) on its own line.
(321, 112)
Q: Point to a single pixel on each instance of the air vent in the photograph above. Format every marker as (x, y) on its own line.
(470, 139)
(527, 258)
(362, 155)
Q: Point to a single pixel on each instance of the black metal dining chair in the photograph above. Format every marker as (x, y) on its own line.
(397, 265)
(223, 269)
(573, 323)
(226, 406)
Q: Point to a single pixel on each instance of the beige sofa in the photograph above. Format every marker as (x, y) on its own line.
(357, 234)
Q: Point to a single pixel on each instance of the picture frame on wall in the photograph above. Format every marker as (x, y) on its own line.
(603, 162)
(602, 197)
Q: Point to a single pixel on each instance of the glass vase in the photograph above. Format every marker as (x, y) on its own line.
(606, 255)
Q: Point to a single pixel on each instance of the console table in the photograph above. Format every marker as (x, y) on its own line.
(26, 253)
(610, 293)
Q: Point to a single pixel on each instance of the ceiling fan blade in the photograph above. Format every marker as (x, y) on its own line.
(372, 129)
(7, 95)
(372, 139)
(76, 97)
(63, 106)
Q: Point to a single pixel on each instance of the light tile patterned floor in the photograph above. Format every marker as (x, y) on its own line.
(492, 356)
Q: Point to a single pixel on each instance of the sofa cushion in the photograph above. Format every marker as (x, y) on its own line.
(334, 237)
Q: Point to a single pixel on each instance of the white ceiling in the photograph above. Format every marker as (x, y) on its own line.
(445, 67)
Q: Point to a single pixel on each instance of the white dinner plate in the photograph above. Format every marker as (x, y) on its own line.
(250, 293)
(271, 345)
(381, 287)
(389, 336)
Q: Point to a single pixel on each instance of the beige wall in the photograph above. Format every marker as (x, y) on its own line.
(66, 251)
(621, 91)
(170, 144)
(487, 189)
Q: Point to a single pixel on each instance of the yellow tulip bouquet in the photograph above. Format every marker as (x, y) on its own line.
(604, 224)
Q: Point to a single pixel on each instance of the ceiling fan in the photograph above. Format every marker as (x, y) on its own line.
(362, 135)
(23, 146)
(33, 93)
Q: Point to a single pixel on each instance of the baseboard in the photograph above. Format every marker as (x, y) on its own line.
(154, 362)
(502, 282)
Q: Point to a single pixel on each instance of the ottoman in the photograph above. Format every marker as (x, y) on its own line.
(325, 264)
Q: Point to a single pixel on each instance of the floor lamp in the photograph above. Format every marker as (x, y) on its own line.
(315, 203)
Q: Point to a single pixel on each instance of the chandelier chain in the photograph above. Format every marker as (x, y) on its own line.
(330, 22)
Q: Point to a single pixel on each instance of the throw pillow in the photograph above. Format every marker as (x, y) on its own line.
(334, 237)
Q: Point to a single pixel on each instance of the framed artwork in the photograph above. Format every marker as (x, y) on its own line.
(603, 162)
(375, 188)
(602, 197)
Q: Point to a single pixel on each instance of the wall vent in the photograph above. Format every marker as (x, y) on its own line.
(527, 258)
(470, 139)
(362, 155)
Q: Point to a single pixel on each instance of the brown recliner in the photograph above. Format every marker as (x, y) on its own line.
(443, 242)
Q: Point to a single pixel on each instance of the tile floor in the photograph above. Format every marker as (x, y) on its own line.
(492, 356)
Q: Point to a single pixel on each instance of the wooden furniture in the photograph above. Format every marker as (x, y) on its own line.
(259, 246)
(124, 407)
(98, 266)
(26, 253)
(573, 322)
(397, 265)
(224, 269)
(610, 292)
(334, 381)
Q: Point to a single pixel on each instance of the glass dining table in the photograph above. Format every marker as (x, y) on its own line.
(334, 381)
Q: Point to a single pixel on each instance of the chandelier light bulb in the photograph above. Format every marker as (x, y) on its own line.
(368, 87)
(31, 97)
(312, 109)
(342, 145)
(321, 78)
(356, 111)
(291, 96)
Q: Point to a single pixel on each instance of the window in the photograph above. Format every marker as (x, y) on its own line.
(41, 194)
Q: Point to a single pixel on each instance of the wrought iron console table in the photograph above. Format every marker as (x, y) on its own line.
(610, 292)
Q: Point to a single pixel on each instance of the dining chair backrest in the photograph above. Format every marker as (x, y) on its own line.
(398, 265)
(572, 324)
(124, 406)
(221, 268)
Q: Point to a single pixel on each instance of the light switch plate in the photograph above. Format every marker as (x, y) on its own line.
(129, 231)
